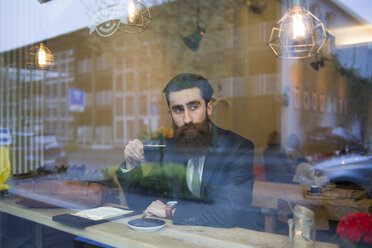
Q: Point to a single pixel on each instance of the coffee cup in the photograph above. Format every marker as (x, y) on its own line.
(153, 153)
(315, 189)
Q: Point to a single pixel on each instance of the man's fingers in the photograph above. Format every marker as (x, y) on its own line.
(147, 212)
(134, 151)
(155, 203)
(138, 153)
(158, 203)
(138, 143)
(138, 149)
(155, 209)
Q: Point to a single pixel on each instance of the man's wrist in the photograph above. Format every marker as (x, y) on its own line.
(130, 166)
(126, 166)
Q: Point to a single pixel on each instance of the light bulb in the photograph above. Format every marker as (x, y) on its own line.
(298, 34)
(132, 11)
(41, 56)
(299, 27)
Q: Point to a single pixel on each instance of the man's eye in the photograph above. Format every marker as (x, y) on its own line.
(178, 110)
(194, 107)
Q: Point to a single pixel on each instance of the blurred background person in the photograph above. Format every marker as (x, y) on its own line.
(277, 164)
(294, 154)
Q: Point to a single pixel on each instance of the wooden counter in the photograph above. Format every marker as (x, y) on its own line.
(267, 195)
(118, 234)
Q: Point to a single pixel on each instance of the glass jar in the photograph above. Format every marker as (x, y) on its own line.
(302, 232)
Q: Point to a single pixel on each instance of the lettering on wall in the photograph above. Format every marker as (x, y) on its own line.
(304, 99)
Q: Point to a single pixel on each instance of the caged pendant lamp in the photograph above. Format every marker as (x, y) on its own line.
(298, 34)
(139, 17)
(39, 57)
(128, 16)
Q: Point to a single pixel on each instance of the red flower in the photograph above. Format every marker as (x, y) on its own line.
(356, 227)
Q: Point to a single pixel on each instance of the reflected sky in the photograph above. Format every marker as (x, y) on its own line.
(25, 22)
(361, 8)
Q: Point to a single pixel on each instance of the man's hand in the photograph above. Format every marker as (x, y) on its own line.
(156, 208)
(133, 153)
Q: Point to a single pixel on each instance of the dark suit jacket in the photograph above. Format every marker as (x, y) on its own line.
(226, 190)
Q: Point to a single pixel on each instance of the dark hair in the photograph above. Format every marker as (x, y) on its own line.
(187, 81)
(274, 139)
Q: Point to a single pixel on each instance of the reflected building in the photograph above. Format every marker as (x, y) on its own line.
(57, 117)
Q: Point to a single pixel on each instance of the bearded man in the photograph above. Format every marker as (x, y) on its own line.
(206, 169)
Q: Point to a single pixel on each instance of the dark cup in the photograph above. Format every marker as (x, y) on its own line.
(154, 153)
(315, 189)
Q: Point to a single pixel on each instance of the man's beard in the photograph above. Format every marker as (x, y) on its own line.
(193, 142)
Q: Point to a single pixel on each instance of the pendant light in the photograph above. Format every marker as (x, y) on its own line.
(298, 34)
(192, 41)
(128, 16)
(138, 19)
(257, 6)
(40, 57)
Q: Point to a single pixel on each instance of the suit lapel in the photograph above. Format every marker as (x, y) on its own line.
(210, 164)
(212, 157)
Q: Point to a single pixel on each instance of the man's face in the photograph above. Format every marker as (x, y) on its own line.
(187, 106)
(190, 117)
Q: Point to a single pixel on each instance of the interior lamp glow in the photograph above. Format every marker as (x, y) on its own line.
(132, 12)
(39, 57)
(299, 29)
(109, 16)
(298, 34)
(139, 17)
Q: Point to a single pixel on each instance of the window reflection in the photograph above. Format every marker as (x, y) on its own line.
(317, 111)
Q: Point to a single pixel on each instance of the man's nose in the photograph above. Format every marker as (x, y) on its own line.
(187, 117)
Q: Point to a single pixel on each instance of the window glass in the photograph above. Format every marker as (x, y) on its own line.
(242, 112)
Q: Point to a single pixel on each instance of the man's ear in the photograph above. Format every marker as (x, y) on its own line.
(209, 108)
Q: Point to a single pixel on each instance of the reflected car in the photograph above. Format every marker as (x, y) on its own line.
(327, 142)
(350, 170)
(42, 152)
